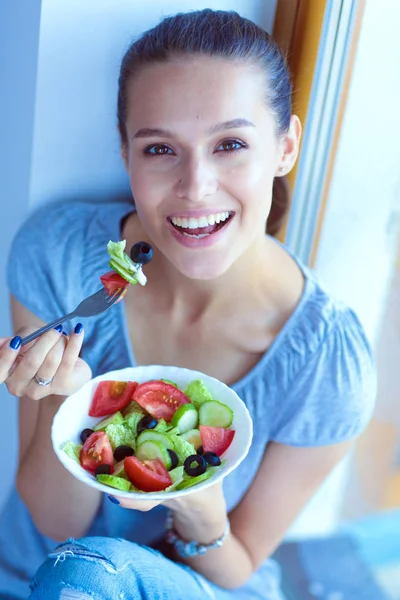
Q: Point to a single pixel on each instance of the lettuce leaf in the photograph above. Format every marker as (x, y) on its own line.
(122, 263)
(72, 450)
(197, 392)
(182, 447)
(120, 435)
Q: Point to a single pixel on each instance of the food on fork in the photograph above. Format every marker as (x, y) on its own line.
(125, 269)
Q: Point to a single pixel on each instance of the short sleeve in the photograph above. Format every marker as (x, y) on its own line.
(331, 399)
(44, 262)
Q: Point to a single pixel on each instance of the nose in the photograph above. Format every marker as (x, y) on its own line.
(196, 180)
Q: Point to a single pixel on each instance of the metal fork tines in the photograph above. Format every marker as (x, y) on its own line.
(91, 306)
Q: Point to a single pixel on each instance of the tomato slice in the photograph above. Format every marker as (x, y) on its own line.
(148, 476)
(113, 282)
(159, 399)
(96, 451)
(216, 439)
(111, 396)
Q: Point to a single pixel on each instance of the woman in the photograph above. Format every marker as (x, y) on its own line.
(204, 113)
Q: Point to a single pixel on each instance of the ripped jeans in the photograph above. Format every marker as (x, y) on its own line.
(102, 568)
(98, 568)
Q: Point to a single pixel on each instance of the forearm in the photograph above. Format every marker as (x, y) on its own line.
(60, 505)
(229, 566)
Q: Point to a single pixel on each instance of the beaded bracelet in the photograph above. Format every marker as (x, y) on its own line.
(193, 548)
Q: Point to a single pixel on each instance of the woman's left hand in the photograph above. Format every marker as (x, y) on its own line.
(196, 502)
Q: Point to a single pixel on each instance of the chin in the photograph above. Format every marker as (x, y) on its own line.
(203, 270)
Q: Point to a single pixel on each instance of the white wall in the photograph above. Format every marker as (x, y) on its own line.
(75, 144)
(76, 151)
(19, 40)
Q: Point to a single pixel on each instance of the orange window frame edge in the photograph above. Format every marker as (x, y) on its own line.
(297, 29)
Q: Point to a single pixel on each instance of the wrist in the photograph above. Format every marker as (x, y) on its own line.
(203, 525)
(189, 547)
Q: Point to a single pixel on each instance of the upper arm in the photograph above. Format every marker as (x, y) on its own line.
(28, 411)
(287, 479)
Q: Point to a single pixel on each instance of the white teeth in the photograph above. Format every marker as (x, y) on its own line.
(193, 235)
(193, 223)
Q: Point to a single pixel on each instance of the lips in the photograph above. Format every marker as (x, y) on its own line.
(198, 231)
(202, 225)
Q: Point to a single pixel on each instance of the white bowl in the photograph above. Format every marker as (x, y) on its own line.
(72, 417)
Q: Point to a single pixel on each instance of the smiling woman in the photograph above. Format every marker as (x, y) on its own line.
(204, 115)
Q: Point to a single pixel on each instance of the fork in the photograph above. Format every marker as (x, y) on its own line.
(91, 306)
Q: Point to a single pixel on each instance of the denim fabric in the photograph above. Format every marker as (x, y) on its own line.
(113, 568)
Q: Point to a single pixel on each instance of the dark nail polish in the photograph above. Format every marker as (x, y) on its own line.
(15, 342)
(65, 333)
(79, 328)
(59, 328)
(114, 500)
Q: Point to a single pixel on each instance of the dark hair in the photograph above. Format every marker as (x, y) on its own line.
(218, 33)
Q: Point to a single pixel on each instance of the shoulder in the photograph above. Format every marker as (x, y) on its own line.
(54, 249)
(330, 383)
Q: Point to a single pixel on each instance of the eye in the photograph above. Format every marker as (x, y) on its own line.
(231, 146)
(158, 150)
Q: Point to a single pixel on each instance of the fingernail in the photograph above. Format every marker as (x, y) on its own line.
(79, 328)
(65, 333)
(59, 328)
(15, 342)
(113, 500)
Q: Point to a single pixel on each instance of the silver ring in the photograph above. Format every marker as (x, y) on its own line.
(41, 381)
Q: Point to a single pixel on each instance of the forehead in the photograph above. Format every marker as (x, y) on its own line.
(206, 90)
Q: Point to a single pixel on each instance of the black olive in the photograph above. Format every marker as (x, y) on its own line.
(122, 452)
(85, 434)
(212, 459)
(103, 470)
(195, 465)
(174, 459)
(200, 450)
(141, 253)
(147, 422)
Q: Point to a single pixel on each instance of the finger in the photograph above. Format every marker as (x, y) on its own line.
(31, 362)
(47, 371)
(70, 357)
(9, 351)
(142, 505)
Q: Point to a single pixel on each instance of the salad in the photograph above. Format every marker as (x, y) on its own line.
(153, 436)
(126, 270)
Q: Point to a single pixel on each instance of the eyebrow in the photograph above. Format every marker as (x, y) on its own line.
(232, 124)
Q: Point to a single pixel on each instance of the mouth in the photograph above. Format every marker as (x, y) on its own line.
(201, 227)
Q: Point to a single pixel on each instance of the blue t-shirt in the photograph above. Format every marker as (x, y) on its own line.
(314, 386)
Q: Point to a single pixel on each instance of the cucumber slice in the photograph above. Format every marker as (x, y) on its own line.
(193, 437)
(123, 272)
(215, 414)
(185, 418)
(114, 419)
(150, 450)
(115, 482)
(187, 483)
(155, 436)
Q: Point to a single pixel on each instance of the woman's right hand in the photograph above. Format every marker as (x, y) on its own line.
(51, 356)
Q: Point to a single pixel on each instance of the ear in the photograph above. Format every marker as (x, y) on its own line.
(289, 147)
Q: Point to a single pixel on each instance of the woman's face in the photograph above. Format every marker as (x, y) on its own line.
(202, 154)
